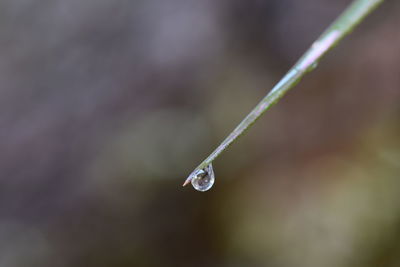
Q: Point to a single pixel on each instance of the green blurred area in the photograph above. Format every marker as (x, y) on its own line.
(107, 106)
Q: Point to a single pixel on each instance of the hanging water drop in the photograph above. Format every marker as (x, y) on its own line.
(203, 179)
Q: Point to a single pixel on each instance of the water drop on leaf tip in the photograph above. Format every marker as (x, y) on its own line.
(203, 179)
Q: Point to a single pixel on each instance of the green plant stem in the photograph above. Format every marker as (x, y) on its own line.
(342, 26)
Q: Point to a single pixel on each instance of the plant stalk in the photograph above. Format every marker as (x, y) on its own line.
(341, 27)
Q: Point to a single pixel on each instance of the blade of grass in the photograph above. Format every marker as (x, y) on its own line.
(342, 26)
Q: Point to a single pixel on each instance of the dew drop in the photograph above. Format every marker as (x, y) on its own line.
(203, 179)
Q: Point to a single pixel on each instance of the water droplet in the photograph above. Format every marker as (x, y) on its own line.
(203, 179)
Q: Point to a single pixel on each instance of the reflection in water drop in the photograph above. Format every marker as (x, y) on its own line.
(203, 179)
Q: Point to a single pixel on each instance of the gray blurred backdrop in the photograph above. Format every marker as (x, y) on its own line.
(107, 106)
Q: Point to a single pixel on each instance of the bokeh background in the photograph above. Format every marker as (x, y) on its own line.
(107, 106)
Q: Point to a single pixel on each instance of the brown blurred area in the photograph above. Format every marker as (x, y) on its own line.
(107, 106)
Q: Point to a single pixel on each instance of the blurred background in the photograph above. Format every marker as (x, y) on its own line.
(107, 106)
